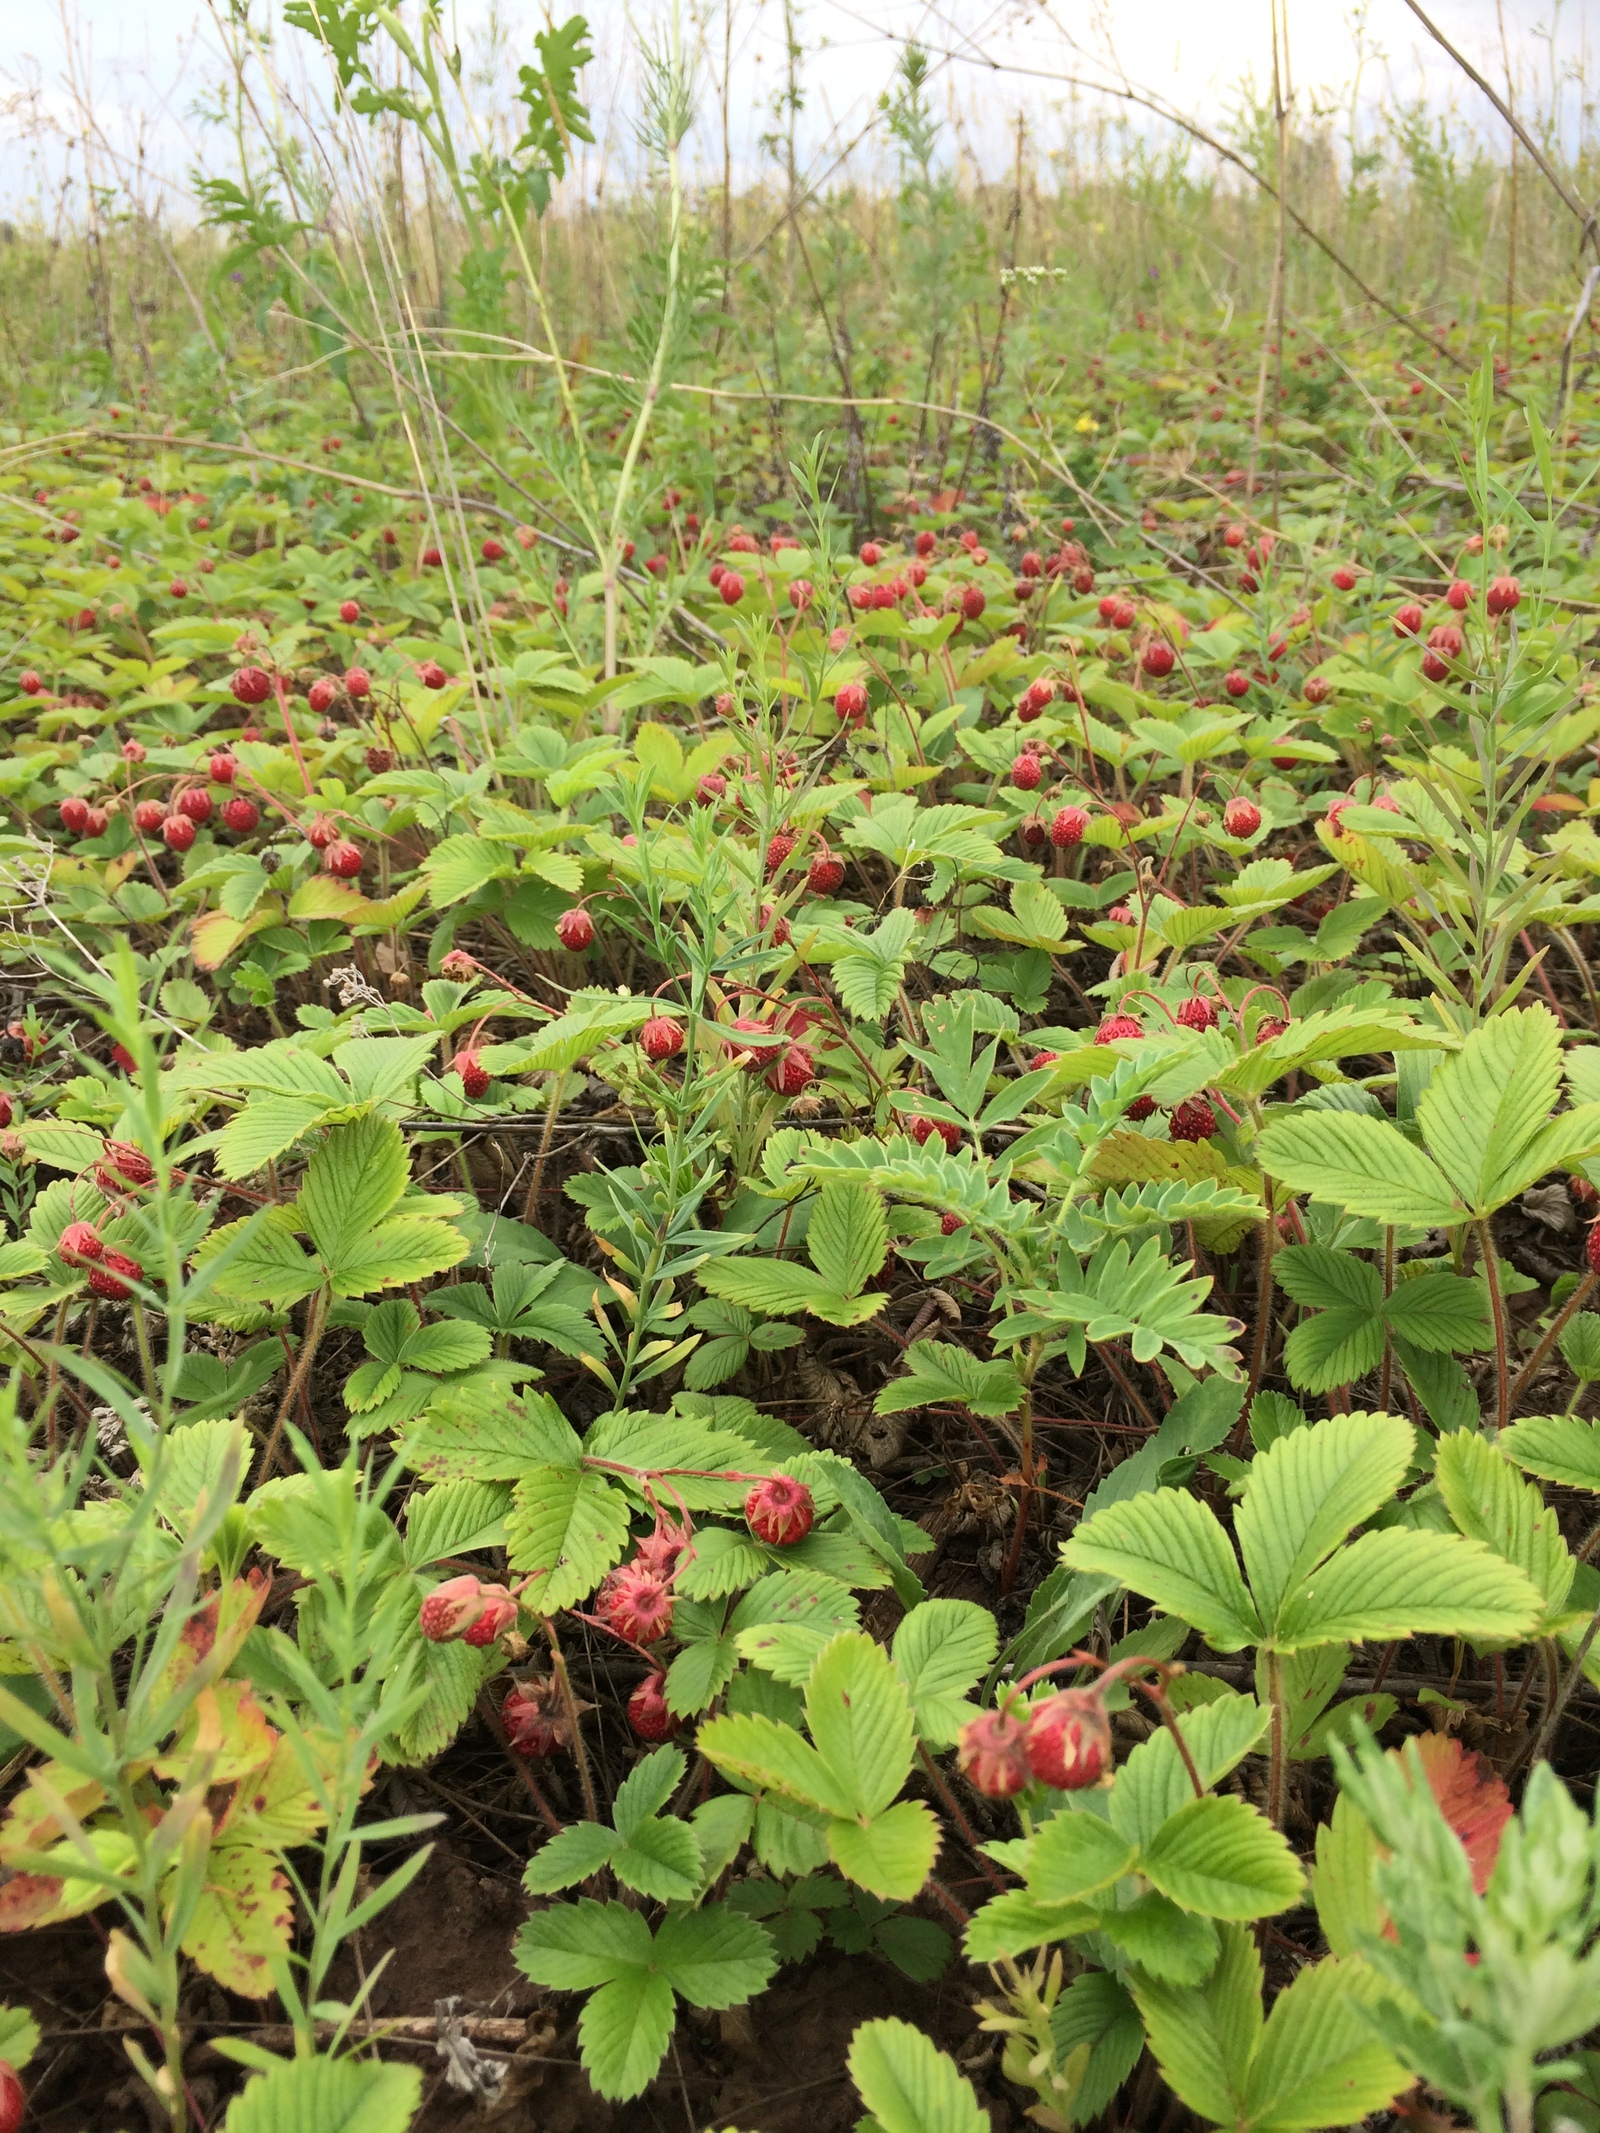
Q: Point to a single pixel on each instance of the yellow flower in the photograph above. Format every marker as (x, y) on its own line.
(1086, 425)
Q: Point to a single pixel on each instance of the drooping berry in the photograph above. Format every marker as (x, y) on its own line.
(534, 1719)
(357, 682)
(923, 1129)
(636, 1603)
(1067, 1741)
(451, 1608)
(222, 767)
(731, 587)
(349, 611)
(491, 550)
(379, 760)
(323, 694)
(1192, 1120)
(321, 832)
(1142, 1107)
(850, 705)
(825, 874)
(432, 675)
(240, 814)
(1116, 1027)
(1345, 578)
(432, 558)
(1041, 1060)
(1503, 595)
(1459, 595)
(499, 1614)
(80, 1244)
(1068, 827)
(779, 1511)
(13, 2099)
(1157, 659)
(711, 788)
(792, 1072)
(74, 813)
(195, 802)
(992, 1755)
(780, 845)
(30, 681)
(1236, 682)
(343, 859)
(973, 602)
(949, 1223)
(1268, 1027)
(575, 929)
(647, 1710)
(128, 1165)
(111, 1277)
(177, 833)
(96, 822)
(471, 1072)
(1407, 619)
(1199, 1011)
(802, 593)
(661, 1038)
(252, 685)
(6, 1110)
(133, 751)
(1026, 771)
(1241, 818)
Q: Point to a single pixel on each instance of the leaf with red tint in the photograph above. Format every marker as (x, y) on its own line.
(1472, 1799)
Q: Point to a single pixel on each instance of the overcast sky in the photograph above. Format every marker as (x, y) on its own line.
(152, 59)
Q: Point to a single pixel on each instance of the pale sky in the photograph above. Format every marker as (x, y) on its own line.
(151, 60)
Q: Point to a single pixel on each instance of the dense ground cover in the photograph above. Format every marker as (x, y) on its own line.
(797, 1276)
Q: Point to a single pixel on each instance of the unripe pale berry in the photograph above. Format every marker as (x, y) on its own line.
(779, 1511)
(451, 1608)
(499, 1614)
(992, 1755)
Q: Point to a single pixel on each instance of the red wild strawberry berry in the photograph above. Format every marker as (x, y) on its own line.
(1503, 595)
(731, 588)
(1241, 818)
(222, 767)
(1026, 771)
(252, 685)
(1268, 1027)
(179, 589)
(950, 1223)
(357, 682)
(195, 802)
(1109, 603)
(499, 1615)
(1041, 1060)
(120, 1055)
(779, 1511)
(1407, 619)
(96, 822)
(992, 1754)
(1124, 615)
(1032, 564)
(1192, 1120)
(6, 1110)
(133, 751)
(240, 814)
(80, 1244)
(1445, 646)
(473, 1075)
(778, 850)
(1068, 827)
(451, 1608)
(13, 2099)
(1116, 1027)
(342, 859)
(178, 833)
(801, 594)
(74, 813)
(711, 788)
(320, 833)
(1345, 578)
(128, 1165)
(1591, 1249)
(323, 694)
(793, 1072)
(923, 1129)
(661, 1038)
(871, 554)
(349, 611)
(660, 1549)
(636, 1603)
(1032, 830)
(774, 922)
(531, 1716)
(1068, 1740)
(972, 602)
(491, 551)
(647, 1711)
(1317, 689)
(432, 675)
(1121, 914)
(111, 1277)
(30, 681)
(851, 703)
(825, 874)
(1234, 536)
(1157, 659)
(1142, 1107)
(379, 760)
(575, 929)
(1236, 682)
(755, 1037)
(431, 558)
(926, 543)
(1459, 595)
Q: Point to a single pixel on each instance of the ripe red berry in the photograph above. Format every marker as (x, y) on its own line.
(923, 1129)
(1068, 827)
(1124, 615)
(1193, 1120)
(111, 1277)
(950, 1223)
(499, 1614)
(342, 859)
(80, 1244)
(222, 767)
(1068, 1740)
(240, 814)
(825, 874)
(13, 2099)
(252, 685)
(731, 587)
(1026, 771)
(74, 813)
(534, 1723)
(851, 703)
(1157, 659)
(1459, 595)
(992, 1755)
(30, 681)
(357, 682)
(379, 760)
(1503, 595)
(1318, 688)
(661, 1038)
(637, 1604)
(450, 1609)
(972, 602)
(711, 788)
(491, 550)
(431, 558)
(1241, 818)
(1115, 1027)
(178, 589)
(1032, 564)
(801, 594)
(871, 554)
(792, 1072)
(1199, 1011)
(323, 694)
(779, 847)
(473, 1074)
(178, 833)
(1236, 682)
(6, 1110)
(320, 833)
(575, 929)
(195, 802)
(1032, 830)
(1591, 1249)
(926, 543)
(1407, 619)
(1235, 536)
(96, 822)
(432, 675)
(125, 1164)
(1345, 578)
(1268, 1027)
(779, 1511)
(647, 1711)
(1041, 1060)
